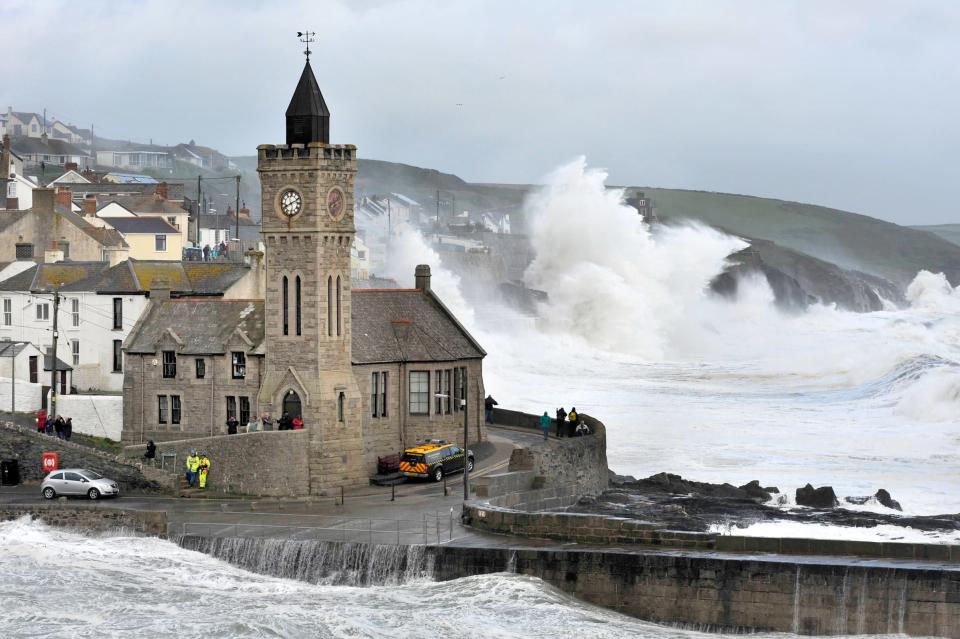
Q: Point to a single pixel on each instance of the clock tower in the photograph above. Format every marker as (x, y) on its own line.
(308, 228)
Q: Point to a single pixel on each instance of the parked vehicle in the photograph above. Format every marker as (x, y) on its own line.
(434, 460)
(75, 482)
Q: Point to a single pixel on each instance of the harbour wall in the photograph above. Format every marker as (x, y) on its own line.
(696, 590)
(90, 517)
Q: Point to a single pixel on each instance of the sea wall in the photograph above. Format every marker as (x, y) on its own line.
(90, 517)
(705, 591)
(269, 464)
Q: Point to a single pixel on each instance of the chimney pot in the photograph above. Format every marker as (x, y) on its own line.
(422, 277)
(70, 166)
(162, 191)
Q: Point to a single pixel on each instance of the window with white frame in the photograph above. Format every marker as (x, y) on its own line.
(7, 311)
(75, 351)
(160, 242)
(75, 311)
(239, 364)
(43, 312)
(419, 392)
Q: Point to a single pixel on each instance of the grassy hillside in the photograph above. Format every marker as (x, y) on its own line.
(949, 232)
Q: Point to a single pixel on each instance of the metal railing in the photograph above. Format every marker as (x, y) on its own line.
(432, 528)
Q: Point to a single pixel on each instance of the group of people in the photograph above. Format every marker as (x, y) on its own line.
(198, 467)
(218, 251)
(568, 424)
(50, 425)
(265, 423)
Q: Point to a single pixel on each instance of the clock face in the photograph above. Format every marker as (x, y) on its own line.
(335, 202)
(291, 202)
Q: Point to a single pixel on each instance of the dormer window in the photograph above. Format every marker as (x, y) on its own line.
(239, 365)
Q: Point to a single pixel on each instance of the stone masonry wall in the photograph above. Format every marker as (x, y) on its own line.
(273, 464)
(88, 518)
(711, 592)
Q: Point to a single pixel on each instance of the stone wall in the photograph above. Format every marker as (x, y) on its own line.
(711, 592)
(273, 464)
(87, 518)
(26, 446)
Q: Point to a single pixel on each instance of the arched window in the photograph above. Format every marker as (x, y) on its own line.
(341, 400)
(330, 306)
(339, 323)
(286, 310)
(291, 404)
(297, 298)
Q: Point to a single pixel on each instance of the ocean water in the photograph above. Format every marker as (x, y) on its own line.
(58, 583)
(716, 390)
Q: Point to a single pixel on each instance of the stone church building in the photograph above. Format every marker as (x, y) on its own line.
(370, 371)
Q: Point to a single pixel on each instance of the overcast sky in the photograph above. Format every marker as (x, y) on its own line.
(849, 104)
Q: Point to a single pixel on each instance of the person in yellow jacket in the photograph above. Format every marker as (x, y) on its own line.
(193, 465)
(204, 470)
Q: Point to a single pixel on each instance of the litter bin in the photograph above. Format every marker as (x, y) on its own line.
(9, 472)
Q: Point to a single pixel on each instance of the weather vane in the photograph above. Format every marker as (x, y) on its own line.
(306, 37)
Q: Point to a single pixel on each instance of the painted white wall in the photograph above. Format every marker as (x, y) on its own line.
(98, 415)
(93, 370)
(28, 396)
(115, 209)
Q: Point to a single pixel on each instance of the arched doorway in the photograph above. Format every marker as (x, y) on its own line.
(291, 404)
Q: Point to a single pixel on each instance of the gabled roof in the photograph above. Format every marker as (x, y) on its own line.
(45, 277)
(53, 146)
(307, 99)
(182, 278)
(134, 225)
(406, 325)
(71, 177)
(61, 365)
(12, 349)
(201, 326)
(150, 204)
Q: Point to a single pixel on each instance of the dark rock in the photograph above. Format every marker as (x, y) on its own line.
(822, 497)
(772, 489)
(587, 501)
(755, 491)
(884, 498)
(617, 497)
(620, 480)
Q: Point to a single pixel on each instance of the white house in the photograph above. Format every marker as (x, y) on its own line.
(99, 305)
(136, 160)
(24, 371)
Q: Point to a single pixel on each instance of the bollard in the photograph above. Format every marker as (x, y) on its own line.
(341, 495)
(451, 525)
(393, 492)
(444, 484)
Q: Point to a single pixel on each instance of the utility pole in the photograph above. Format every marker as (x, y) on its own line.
(438, 215)
(13, 379)
(237, 211)
(466, 440)
(196, 232)
(53, 353)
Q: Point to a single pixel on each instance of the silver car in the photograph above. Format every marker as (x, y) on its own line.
(78, 481)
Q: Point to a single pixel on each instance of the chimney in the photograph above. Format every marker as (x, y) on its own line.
(244, 213)
(160, 289)
(5, 170)
(53, 255)
(162, 191)
(422, 277)
(90, 204)
(70, 166)
(43, 200)
(64, 196)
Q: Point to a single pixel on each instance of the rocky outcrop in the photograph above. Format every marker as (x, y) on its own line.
(822, 497)
(882, 497)
(798, 280)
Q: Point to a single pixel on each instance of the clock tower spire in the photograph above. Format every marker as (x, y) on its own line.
(307, 226)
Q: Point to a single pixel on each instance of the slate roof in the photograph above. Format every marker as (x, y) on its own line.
(388, 326)
(150, 204)
(105, 236)
(307, 99)
(61, 365)
(404, 325)
(30, 146)
(44, 277)
(199, 327)
(182, 278)
(128, 225)
(12, 349)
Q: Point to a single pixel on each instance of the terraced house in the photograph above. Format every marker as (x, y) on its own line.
(370, 371)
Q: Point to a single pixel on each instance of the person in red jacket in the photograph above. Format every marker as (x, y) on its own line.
(41, 420)
(297, 423)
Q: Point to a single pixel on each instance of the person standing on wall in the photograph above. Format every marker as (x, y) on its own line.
(68, 428)
(266, 421)
(561, 418)
(545, 425)
(58, 426)
(488, 405)
(232, 424)
(252, 424)
(41, 421)
(204, 468)
(573, 423)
